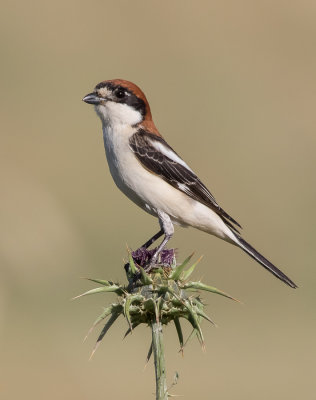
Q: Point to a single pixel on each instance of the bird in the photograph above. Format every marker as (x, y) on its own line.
(151, 174)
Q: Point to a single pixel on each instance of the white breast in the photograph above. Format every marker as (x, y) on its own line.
(121, 160)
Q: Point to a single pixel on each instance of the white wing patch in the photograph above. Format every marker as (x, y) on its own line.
(169, 153)
(183, 187)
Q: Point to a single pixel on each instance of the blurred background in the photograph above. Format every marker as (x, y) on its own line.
(232, 88)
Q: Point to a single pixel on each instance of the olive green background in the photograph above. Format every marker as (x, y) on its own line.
(232, 88)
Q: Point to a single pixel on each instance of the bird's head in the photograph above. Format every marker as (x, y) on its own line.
(119, 102)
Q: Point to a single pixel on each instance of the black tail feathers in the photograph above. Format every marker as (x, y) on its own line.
(264, 262)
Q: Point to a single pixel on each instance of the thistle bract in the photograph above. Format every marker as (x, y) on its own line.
(162, 295)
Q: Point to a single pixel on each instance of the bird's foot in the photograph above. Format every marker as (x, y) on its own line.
(164, 258)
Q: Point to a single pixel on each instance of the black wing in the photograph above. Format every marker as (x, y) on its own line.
(152, 151)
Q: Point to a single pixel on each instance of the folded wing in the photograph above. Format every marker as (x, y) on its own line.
(159, 158)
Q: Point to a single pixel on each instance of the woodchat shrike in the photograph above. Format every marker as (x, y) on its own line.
(149, 172)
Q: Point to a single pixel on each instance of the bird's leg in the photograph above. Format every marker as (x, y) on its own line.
(153, 239)
(168, 230)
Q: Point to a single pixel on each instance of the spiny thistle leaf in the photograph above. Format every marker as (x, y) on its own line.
(194, 320)
(174, 294)
(203, 315)
(127, 306)
(113, 288)
(193, 333)
(179, 332)
(107, 326)
(176, 274)
(149, 304)
(188, 272)
(129, 330)
(202, 286)
(107, 311)
(132, 263)
(145, 278)
(100, 281)
(198, 330)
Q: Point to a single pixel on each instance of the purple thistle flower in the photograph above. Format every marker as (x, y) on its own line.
(143, 256)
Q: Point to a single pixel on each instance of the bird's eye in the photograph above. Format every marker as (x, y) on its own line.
(119, 93)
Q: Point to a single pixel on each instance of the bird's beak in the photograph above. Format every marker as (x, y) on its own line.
(92, 98)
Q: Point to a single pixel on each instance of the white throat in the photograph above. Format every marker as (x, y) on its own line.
(114, 114)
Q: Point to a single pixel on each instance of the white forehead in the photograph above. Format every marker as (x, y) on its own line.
(103, 91)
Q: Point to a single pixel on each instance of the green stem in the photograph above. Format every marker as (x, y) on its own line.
(159, 358)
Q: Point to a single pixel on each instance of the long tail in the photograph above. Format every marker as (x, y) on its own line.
(263, 261)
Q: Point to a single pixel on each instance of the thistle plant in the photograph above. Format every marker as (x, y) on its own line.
(156, 297)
